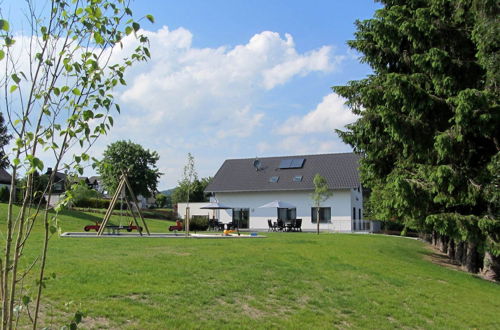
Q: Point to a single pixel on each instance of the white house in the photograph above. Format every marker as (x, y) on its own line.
(247, 184)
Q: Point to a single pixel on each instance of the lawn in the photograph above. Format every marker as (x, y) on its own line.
(288, 280)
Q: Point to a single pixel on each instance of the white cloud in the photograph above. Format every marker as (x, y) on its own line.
(330, 114)
(183, 85)
(197, 99)
(204, 100)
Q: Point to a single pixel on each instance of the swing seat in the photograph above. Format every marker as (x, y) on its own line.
(112, 227)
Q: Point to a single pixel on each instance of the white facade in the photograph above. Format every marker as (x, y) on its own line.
(341, 204)
(194, 209)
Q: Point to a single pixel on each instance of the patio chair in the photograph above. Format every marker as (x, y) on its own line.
(281, 225)
(297, 225)
(272, 227)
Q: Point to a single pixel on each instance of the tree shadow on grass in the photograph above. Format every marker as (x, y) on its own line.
(82, 216)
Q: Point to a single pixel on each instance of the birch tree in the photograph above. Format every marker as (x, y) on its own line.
(56, 90)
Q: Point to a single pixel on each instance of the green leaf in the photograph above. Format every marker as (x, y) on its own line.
(26, 300)
(9, 41)
(150, 18)
(2, 54)
(53, 229)
(13, 88)
(128, 30)
(76, 91)
(4, 25)
(136, 26)
(78, 317)
(98, 38)
(78, 11)
(15, 78)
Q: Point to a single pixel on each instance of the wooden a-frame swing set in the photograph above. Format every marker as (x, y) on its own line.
(119, 190)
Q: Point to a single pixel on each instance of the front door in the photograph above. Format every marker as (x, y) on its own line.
(241, 218)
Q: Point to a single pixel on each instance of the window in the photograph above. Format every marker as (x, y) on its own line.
(359, 214)
(287, 214)
(325, 214)
(353, 213)
(297, 178)
(241, 218)
(274, 179)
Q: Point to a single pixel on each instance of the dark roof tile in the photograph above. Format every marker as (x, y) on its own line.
(237, 175)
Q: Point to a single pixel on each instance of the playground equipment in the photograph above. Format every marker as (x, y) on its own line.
(128, 228)
(120, 189)
(177, 227)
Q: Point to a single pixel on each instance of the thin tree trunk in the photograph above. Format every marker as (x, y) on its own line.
(491, 269)
(451, 249)
(459, 253)
(444, 244)
(434, 238)
(317, 219)
(8, 244)
(472, 258)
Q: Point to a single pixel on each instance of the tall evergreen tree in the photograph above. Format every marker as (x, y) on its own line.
(429, 122)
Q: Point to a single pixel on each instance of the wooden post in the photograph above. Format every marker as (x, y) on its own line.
(133, 215)
(112, 204)
(134, 200)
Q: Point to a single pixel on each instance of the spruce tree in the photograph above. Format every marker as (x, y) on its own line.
(429, 119)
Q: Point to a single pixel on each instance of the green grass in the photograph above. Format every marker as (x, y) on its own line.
(288, 280)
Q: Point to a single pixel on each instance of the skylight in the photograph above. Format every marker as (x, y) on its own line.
(297, 178)
(274, 179)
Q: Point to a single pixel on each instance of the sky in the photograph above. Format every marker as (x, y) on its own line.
(237, 79)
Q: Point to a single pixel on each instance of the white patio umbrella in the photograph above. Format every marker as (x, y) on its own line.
(278, 204)
(216, 206)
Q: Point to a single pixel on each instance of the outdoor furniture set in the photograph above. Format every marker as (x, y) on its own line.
(281, 225)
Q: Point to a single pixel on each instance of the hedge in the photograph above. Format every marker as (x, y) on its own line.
(198, 223)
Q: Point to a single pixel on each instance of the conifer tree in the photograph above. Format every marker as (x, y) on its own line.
(429, 119)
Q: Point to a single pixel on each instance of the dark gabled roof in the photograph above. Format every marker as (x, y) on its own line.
(238, 175)
(5, 177)
(95, 179)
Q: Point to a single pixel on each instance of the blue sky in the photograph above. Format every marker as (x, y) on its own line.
(237, 79)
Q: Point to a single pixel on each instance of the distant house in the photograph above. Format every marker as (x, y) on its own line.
(58, 188)
(247, 184)
(5, 178)
(95, 182)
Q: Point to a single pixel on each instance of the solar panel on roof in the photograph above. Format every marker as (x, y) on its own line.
(297, 163)
(292, 163)
(285, 163)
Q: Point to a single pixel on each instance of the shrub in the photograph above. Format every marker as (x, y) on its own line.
(198, 222)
